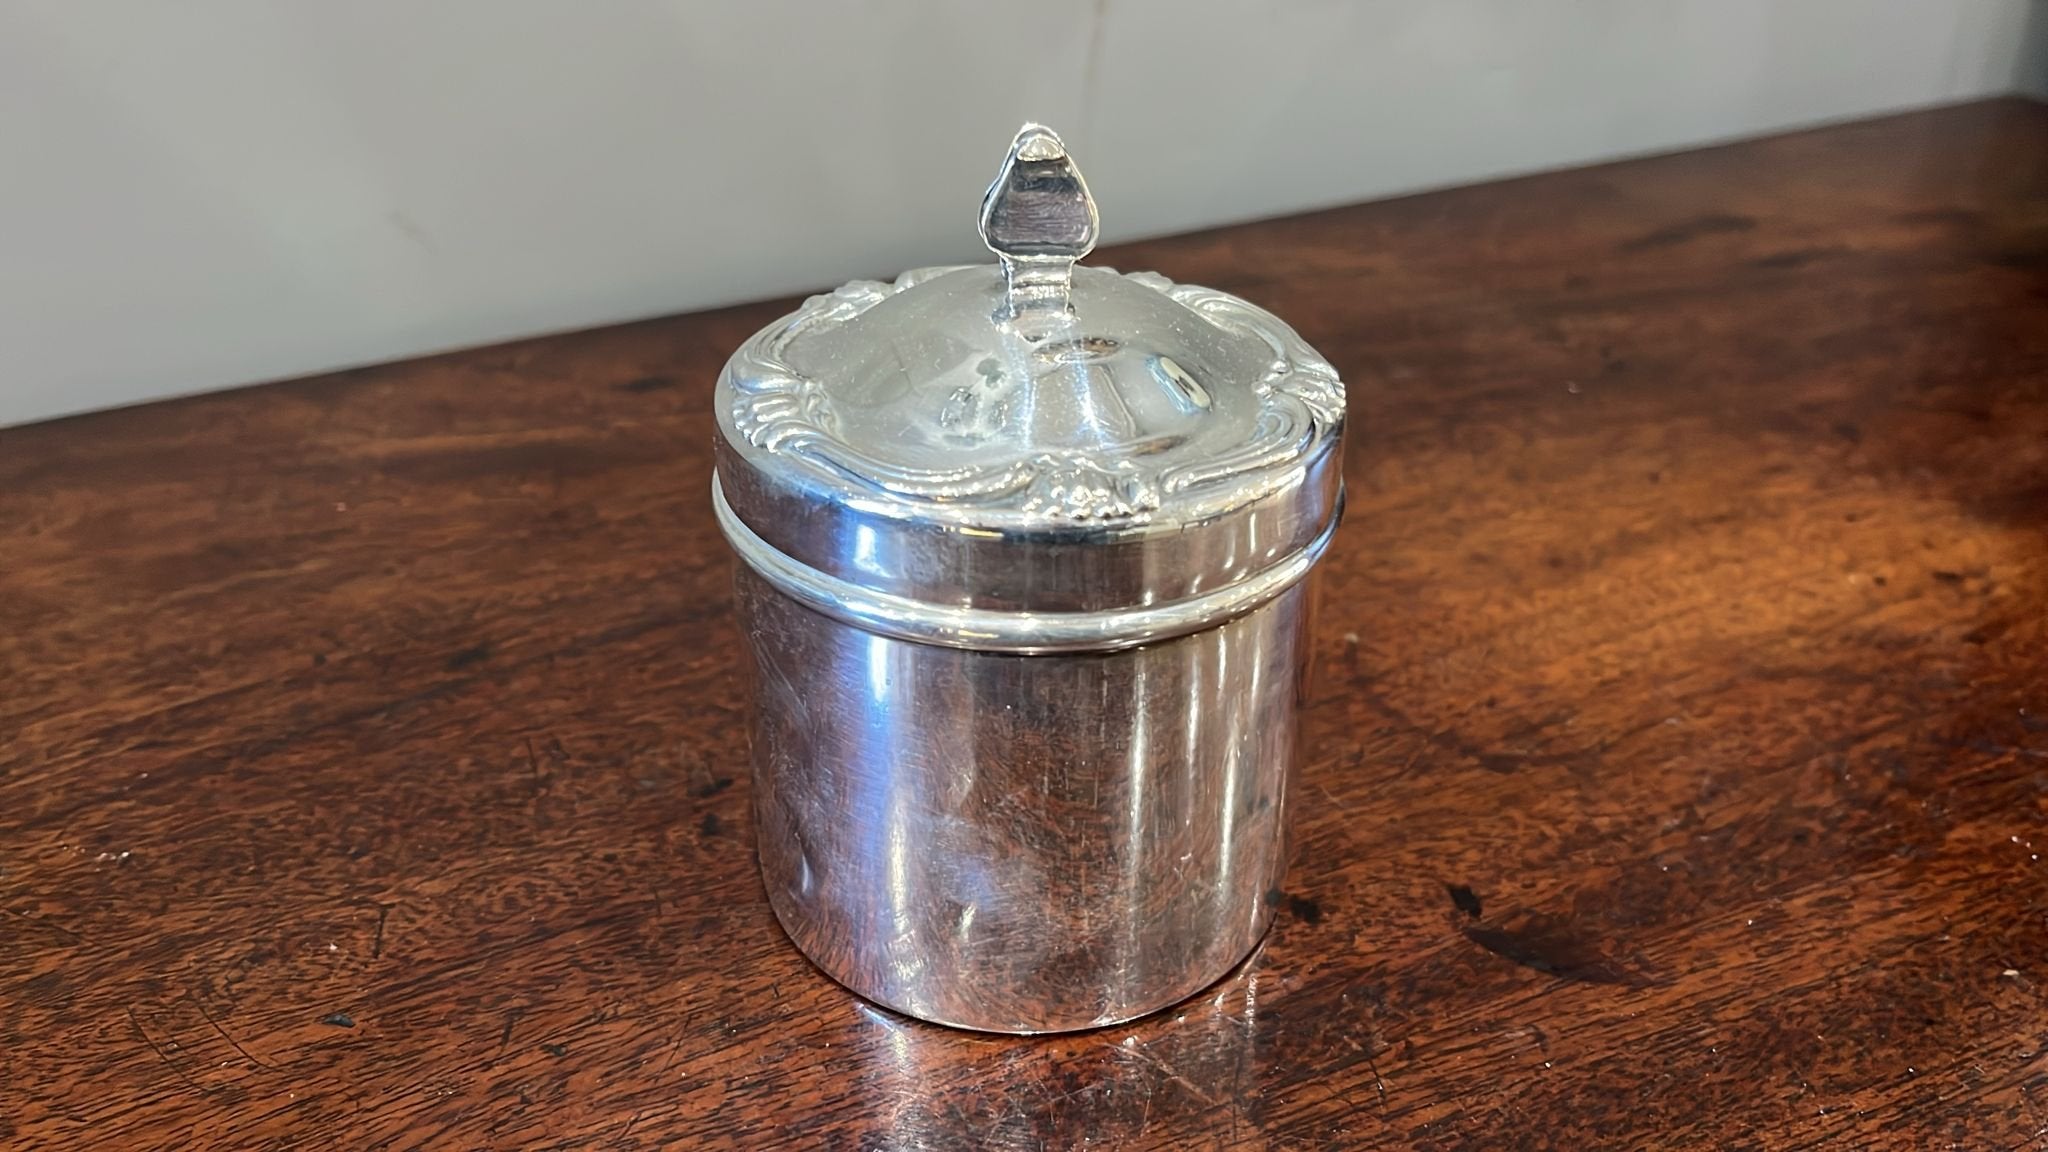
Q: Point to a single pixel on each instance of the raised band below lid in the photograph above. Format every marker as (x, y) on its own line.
(1016, 632)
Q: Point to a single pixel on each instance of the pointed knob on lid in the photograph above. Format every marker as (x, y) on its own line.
(1038, 219)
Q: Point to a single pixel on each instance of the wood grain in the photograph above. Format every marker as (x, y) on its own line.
(373, 763)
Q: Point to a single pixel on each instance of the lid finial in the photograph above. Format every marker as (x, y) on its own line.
(1038, 219)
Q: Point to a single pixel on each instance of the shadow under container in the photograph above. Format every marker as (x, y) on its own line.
(1024, 575)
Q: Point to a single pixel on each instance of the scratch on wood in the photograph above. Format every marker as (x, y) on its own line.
(672, 1048)
(166, 1057)
(1332, 798)
(232, 1042)
(1244, 1052)
(1171, 1075)
(505, 1037)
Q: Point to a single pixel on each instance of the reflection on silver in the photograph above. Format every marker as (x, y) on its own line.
(1111, 1089)
(1039, 219)
(1025, 556)
(1023, 843)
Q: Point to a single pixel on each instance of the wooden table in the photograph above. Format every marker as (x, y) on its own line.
(374, 767)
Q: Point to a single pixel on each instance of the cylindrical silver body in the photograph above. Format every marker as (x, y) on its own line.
(1023, 843)
(1025, 552)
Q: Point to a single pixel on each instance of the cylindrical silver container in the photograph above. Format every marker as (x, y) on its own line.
(1023, 566)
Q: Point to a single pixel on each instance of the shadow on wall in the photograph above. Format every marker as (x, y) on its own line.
(2032, 78)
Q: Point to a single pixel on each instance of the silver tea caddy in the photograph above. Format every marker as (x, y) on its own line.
(1023, 556)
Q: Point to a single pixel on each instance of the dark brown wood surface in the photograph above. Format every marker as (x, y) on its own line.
(374, 768)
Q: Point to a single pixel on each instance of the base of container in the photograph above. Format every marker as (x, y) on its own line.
(1051, 1028)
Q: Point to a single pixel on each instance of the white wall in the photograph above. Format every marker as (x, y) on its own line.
(212, 192)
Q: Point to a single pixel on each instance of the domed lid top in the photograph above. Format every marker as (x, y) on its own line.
(1029, 402)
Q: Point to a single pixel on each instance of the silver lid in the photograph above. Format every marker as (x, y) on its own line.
(1034, 455)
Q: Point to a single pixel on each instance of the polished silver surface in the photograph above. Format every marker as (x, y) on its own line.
(1038, 218)
(1149, 439)
(1023, 843)
(1023, 566)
